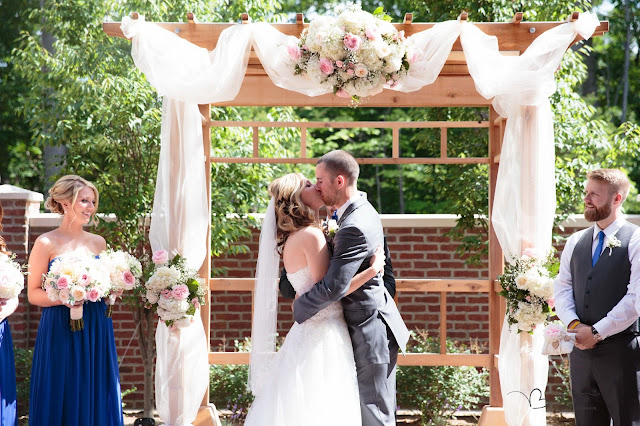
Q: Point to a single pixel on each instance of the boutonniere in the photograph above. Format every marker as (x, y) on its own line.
(330, 227)
(612, 243)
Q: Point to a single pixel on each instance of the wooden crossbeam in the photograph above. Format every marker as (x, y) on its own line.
(402, 285)
(510, 37)
(410, 359)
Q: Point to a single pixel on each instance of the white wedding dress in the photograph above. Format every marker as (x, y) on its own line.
(312, 381)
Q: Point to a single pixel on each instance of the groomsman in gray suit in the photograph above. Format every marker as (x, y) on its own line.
(595, 298)
(376, 328)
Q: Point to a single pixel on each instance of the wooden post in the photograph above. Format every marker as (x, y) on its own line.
(207, 414)
(494, 414)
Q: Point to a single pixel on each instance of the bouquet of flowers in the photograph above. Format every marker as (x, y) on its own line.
(11, 277)
(75, 277)
(174, 289)
(357, 53)
(527, 284)
(124, 271)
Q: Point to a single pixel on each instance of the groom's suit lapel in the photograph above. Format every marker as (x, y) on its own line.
(351, 208)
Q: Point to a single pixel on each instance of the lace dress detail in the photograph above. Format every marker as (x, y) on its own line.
(313, 380)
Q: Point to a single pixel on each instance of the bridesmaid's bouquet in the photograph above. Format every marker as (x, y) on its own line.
(11, 277)
(174, 289)
(75, 277)
(124, 271)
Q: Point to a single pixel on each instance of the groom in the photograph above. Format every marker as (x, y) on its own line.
(376, 328)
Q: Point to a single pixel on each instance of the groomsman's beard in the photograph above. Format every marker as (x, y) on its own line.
(597, 213)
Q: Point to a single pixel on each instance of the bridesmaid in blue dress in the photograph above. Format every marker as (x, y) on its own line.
(74, 377)
(8, 396)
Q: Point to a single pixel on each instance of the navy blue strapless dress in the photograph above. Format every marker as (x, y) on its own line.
(8, 399)
(74, 376)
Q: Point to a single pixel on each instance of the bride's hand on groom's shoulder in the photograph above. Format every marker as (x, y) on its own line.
(377, 260)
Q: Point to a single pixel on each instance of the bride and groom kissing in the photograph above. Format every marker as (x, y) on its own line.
(337, 365)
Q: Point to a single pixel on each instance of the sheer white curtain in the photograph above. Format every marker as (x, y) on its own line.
(525, 201)
(187, 75)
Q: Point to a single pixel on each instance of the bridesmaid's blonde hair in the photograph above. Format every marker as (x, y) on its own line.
(291, 213)
(66, 189)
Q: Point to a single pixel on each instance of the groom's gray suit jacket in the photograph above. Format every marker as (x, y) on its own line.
(358, 236)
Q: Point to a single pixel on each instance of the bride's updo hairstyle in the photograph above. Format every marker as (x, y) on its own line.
(66, 189)
(291, 213)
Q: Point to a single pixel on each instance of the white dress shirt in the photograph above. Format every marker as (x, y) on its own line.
(343, 207)
(624, 313)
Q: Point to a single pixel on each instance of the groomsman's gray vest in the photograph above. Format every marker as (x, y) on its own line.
(597, 289)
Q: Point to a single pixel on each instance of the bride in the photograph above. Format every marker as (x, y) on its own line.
(311, 380)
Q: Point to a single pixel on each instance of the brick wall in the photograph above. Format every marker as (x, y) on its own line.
(419, 249)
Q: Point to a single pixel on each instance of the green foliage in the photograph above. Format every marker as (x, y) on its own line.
(439, 392)
(560, 368)
(228, 386)
(23, 359)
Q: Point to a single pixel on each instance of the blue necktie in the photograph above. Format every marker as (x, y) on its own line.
(334, 216)
(596, 255)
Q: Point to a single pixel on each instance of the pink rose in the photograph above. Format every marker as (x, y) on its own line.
(93, 294)
(551, 302)
(372, 33)
(166, 294)
(339, 64)
(533, 252)
(63, 282)
(180, 292)
(195, 302)
(361, 70)
(343, 93)
(326, 66)
(161, 256)
(352, 41)
(350, 71)
(128, 279)
(294, 52)
(84, 280)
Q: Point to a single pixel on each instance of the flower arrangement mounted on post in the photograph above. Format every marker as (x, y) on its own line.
(357, 53)
(174, 290)
(527, 284)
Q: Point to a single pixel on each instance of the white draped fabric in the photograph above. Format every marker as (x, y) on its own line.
(187, 75)
(525, 199)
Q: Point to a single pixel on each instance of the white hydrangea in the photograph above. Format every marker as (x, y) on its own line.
(163, 278)
(528, 315)
(11, 278)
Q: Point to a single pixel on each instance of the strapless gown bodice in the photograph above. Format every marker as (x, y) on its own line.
(302, 282)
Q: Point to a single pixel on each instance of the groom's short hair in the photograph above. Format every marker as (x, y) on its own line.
(340, 162)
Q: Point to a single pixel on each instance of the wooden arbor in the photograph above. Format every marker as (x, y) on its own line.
(453, 87)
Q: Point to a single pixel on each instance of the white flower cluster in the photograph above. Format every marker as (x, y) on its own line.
(174, 290)
(529, 315)
(124, 269)
(356, 54)
(11, 277)
(537, 282)
(76, 276)
(527, 284)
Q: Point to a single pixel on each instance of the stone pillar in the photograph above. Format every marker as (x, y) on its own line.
(19, 205)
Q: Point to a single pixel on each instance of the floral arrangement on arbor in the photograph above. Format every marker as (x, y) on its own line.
(11, 277)
(527, 284)
(75, 277)
(174, 290)
(357, 53)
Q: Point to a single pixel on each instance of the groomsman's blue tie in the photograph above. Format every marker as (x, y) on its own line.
(334, 216)
(596, 255)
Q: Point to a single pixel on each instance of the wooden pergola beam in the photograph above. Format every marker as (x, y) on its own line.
(510, 37)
